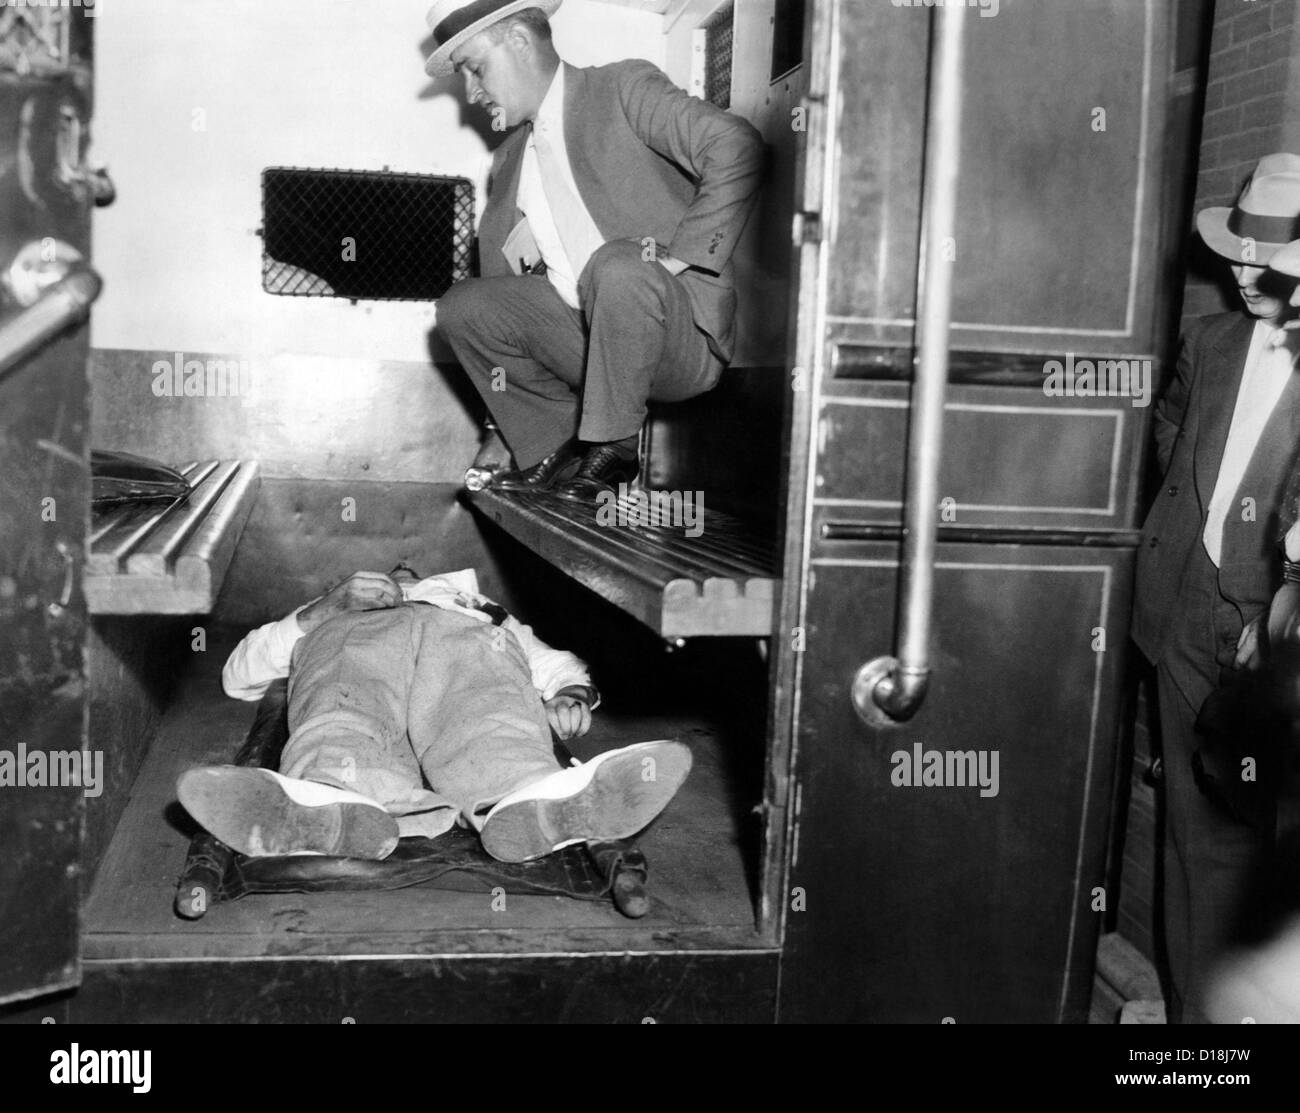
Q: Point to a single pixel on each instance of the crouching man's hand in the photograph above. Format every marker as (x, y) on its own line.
(1249, 649)
(569, 714)
(362, 591)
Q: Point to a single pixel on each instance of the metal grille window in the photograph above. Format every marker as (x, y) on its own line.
(717, 56)
(364, 235)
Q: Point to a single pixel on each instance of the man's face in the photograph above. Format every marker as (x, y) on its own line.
(497, 77)
(1264, 293)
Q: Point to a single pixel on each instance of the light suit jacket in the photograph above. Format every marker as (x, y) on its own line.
(1191, 429)
(649, 161)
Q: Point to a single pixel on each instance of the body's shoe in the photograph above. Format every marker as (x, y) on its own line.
(603, 467)
(612, 796)
(264, 815)
(559, 466)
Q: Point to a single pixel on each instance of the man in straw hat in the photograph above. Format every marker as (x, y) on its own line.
(605, 247)
(1226, 434)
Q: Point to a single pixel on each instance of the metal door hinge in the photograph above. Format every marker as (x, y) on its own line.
(807, 228)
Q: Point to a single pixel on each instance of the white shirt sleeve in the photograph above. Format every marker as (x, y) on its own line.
(552, 669)
(262, 656)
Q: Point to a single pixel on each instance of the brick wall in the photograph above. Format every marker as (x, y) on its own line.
(1252, 108)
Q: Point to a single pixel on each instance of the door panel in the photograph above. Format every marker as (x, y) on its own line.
(1012, 457)
(1056, 198)
(907, 903)
(952, 899)
(44, 508)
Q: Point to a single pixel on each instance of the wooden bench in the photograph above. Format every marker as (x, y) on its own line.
(721, 582)
(171, 558)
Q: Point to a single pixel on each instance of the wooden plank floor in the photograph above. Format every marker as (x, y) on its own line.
(702, 896)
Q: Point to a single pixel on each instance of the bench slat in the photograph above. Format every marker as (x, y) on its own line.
(203, 563)
(720, 583)
(172, 560)
(156, 555)
(124, 528)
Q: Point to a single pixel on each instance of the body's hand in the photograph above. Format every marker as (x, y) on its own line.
(1249, 651)
(362, 591)
(569, 716)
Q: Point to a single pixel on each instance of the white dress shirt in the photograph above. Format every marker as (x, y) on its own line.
(531, 196)
(1269, 365)
(265, 654)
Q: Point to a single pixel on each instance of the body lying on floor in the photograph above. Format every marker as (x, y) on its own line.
(415, 704)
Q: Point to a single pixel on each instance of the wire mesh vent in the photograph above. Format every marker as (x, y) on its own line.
(717, 56)
(364, 234)
(787, 37)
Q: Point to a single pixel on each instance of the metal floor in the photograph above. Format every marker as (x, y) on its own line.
(702, 852)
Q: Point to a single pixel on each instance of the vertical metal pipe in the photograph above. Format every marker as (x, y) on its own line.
(901, 690)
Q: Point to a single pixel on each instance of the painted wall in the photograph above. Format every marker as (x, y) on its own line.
(195, 98)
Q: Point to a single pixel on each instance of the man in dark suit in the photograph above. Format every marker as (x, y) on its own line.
(605, 248)
(1226, 434)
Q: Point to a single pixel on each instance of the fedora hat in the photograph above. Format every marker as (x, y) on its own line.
(454, 21)
(1287, 259)
(1265, 217)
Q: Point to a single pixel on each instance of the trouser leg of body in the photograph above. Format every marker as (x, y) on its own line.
(347, 764)
(349, 688)
(477, 725)
(522, 327)
(480, 731)
(643, 344)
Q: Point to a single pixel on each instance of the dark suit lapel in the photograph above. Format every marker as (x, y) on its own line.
(502, 216)
(510, 169)
(1218, 400)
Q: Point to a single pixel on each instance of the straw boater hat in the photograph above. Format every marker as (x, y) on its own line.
(454, 21)
(1265, 217)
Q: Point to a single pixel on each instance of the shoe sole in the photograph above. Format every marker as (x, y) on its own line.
(252, 814)
(615, 804)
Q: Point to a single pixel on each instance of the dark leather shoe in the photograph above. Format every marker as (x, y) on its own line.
(602, 467)
(561, 464)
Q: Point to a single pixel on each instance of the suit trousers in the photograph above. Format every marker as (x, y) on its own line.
(1210, 859)
(382, 701)
(548, 372)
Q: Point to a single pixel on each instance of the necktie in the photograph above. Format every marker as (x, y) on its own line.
(577, 231)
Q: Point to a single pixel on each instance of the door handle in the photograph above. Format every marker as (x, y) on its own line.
(62, 305)
(890, 689)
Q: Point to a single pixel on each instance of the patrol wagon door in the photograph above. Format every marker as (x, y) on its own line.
(44, 490)
(946, 858)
